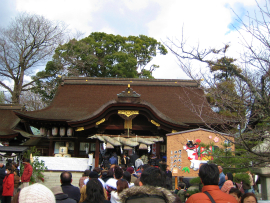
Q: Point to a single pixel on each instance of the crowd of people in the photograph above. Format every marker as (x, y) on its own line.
(125, 183)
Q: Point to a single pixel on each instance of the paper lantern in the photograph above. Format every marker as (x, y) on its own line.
(54, 131)
(42, 131)
(69, 132)
(62, 131)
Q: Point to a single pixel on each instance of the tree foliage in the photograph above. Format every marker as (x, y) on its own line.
(237, 90)
(38, 166)
(25, 45)
(100, 55)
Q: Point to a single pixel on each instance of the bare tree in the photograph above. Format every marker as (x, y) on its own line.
(239, 92)
(24, 46)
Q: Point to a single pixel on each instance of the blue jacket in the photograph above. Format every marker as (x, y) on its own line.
(113, 160)
(221, 180)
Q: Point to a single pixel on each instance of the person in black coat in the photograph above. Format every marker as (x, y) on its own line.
(133, 158)
(2, 176)
(72, 191)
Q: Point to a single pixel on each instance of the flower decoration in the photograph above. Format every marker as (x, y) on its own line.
(216, 139)
(210, 137)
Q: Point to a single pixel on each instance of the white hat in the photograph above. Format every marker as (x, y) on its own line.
(36, 193)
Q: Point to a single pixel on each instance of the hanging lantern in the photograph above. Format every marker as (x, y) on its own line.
(69, 132)
(109, 146)
(143, 146)
(49, 133)
(42, 131)
(62, 131)
(54, 131)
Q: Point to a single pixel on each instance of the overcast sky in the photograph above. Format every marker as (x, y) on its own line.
(208, 22)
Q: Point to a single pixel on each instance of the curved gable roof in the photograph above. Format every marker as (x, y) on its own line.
(79, 98)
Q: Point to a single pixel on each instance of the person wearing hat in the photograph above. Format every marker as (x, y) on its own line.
(27, 173)
(60, 196)
(35, 193)
(133, 176)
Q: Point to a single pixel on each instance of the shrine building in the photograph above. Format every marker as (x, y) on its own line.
(126, 113)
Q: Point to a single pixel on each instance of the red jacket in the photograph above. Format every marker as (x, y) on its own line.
(27, 173)
(215, 192)
(8, 185)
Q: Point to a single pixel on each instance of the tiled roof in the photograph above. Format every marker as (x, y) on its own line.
(80, 98)
(8, 120)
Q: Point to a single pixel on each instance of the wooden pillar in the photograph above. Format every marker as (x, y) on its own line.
(175, 182)
(97, 153)
(51, 148)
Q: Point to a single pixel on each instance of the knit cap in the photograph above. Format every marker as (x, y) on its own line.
(36, 193)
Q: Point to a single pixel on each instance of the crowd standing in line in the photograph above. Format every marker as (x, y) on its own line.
(127, 180)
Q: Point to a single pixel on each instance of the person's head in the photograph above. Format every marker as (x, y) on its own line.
(181, 185)
(130, 170)
(153, 176)
(121, 185)
(209, 174)
(9, 170)
(98, 170)
(93, 174)
(127, 176)
(86, 173)
(229, 176)
(145, 166)
(1, 165)
(110, 172)
(94, 191)
(236, 193)
(249, 198)
(220, 169)
(36, 193)
(118, 172)
(26, 161)
(66, 177)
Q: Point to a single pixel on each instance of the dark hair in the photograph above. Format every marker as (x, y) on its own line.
(94, 191)
(66, 177)
(9, 168)
(121, 185)
(209, 174)
(154, 177)
(118, 172)
(86, 173)
(181, 185)
(26, 160)
(98, 170)
(127, 176)
(246, 195)
(235, 191)
(110, 172)
(230, 176)
(145, 166)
